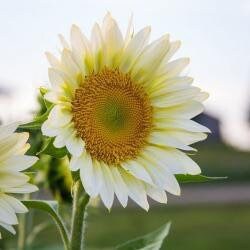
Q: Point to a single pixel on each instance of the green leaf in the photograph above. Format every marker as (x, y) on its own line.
(186, 178)
(43, 91)
(36, 124)
(50, 207)
(49, 149)
(151, 241)
(47, 206)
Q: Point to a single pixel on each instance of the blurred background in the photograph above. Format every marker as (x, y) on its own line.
(216, 36)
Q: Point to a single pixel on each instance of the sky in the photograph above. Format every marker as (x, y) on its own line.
(214, 34)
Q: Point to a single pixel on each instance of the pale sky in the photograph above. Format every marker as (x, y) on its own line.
(214, 34)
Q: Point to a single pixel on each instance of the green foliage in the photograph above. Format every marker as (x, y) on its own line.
(50, 207)
(151, 241)
(49, 149)
(59, 179)
(43, 91)
(36, 123)
(187, 178)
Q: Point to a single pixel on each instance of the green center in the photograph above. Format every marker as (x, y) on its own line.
(113, 115)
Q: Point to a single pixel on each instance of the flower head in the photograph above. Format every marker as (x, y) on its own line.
(123, 111)
(12, 161)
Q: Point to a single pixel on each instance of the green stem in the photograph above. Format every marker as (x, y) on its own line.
(21, 232)
(80, 201)
(22, 228)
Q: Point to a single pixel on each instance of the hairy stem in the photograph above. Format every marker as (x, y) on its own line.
(80, 201)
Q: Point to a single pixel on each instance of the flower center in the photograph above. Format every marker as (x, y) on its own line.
(112, 115)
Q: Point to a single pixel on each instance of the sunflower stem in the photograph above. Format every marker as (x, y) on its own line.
(22, 226)
(21, 232)
(80, 201)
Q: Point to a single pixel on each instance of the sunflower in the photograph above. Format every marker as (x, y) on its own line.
(12, 160)
(123, 110)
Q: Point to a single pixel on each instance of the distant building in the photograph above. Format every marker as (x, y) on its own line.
(212, 123)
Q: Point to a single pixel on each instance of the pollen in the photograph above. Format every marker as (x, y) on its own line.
(112, 115)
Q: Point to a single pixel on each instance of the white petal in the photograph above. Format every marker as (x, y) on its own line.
(13, 145)
(48, 130)
(185, 111)
(186, 137)
(70, 67)
(75, 145)
(137, 170)
(120, 188)
(12, 179)
(165, 85)
(107, 188)
(52, 96)
(176, 98)
(173, 47)
(8, 228)
(78, 41)
(87, 175)
(65, 137)
(168, 139)
(134, 48)
(184, 124)
(75, 163)
(98, 48)
(18, 163)
(63, 41)
(113, 40)
(7, 214)
(149, 60)
(136, 190)
(53, 61)
(59, 116)
(55, 78)
(177, 161)
(63, 82)
(15, 204)
(156, 194)
(161, 175)
(201, 97)
(175, 67)
(81, 50)
(129, 32)
(24, 189)
(60, 140)
(98, 178)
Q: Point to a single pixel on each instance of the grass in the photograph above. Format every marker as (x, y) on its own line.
(193, 228)
(211, 227)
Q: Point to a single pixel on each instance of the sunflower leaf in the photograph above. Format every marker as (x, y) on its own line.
(36, 123)
(50, 207)
(49, 149)
(151, 241)
(187, 178)
(43, 91)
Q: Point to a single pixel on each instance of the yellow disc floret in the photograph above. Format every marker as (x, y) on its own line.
(112, 115)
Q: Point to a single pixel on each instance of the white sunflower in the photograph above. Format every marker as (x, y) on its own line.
(12, 161)
(123, 111)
